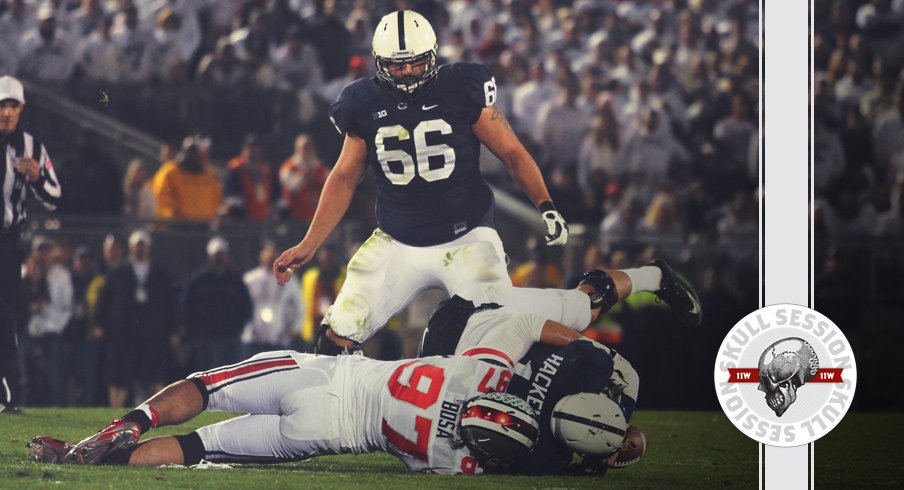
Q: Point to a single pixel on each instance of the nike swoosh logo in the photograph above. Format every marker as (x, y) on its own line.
(428, 107)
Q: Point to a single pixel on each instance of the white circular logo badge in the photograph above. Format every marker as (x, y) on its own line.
(785, 375)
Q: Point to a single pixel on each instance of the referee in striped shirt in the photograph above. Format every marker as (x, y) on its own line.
(26, 170)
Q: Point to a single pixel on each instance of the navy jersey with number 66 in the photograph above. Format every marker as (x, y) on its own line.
(423, 152)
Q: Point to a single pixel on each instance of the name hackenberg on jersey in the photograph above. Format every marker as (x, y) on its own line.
(411, 408)
(423, 153)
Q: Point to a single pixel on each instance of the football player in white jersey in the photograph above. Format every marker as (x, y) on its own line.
(439, 414)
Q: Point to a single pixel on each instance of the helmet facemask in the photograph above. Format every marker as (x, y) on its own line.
(406, 84)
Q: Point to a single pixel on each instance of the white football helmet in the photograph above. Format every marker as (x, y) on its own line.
(499, 428)
(404, 36)
(589, 423)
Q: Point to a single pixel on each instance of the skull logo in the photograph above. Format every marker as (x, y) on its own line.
(784, 367)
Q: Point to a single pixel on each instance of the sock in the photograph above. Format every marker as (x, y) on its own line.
(646, 278)
(145, 416)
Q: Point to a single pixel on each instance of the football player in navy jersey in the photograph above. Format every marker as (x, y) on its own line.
(557, 362)
(419, 127)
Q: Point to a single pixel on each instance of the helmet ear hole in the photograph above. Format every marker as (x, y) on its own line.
(498, 428)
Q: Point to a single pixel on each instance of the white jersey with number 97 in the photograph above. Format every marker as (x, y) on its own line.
(411, 408)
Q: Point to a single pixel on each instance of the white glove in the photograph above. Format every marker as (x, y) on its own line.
(556, 227)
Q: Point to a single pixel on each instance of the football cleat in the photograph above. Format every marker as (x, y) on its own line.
(120, 434)
(46, 449)
(678, 294)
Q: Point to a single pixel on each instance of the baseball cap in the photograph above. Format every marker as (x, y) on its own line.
(139, 236)
(217, 245)
(10, 88)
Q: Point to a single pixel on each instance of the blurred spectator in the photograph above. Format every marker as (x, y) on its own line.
(560, 127)
(113, 253)
(171, 53)
(319, 285)
(135, 45)
(331, 39)
(302, 176)
(652, 149)
(252, 185)
(99, 57)
(891, 222)
(136, 317)
(222, 68)
(83, 347)
(215, 307)
(92, 180)
(48, 290)
(18, 18)
(253, 42)
(599, 152)
(828, 155)
(278, 312)
(540, 271)
(621, 225)
(188, 190)
(662, 214)
(493, 43)
(529, 96)
(296, 65)
(733, 133)
(138, 197)
(180, 18)
(87, 18)
(46, 53)
(279, 20)
(358, 67)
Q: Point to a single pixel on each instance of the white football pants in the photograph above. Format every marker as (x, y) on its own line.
(385, 275)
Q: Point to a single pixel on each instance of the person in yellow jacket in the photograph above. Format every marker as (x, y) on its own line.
(319, 286)
(186, 188)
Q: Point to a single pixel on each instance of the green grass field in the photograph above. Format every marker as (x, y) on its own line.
(686, 450)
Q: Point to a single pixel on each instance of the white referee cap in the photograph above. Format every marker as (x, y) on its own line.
(217, 245)
(139, 236)
(10, 88)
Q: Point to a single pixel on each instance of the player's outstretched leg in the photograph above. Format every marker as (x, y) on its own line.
(678, 294)
(657, 277)
(176, 403)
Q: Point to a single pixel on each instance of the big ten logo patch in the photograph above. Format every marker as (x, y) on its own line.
(785, 375)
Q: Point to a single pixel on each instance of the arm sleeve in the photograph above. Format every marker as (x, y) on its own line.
(510, 339)
(479, 87)
(47, 188)
(342, 112)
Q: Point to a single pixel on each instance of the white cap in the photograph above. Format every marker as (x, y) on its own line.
(10, 88)
(216, 245)
(45, 11)
(139, 236)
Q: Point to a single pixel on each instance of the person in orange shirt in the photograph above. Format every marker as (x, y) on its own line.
(251, 185)
(302, 176)
(188, 189)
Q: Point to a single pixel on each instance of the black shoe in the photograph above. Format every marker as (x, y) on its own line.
(678, 294)
(10, 409)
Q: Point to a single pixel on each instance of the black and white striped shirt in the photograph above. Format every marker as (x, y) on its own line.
(16, 187)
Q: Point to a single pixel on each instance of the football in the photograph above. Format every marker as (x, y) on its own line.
(631, 451)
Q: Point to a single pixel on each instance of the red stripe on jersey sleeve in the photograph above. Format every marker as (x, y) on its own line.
(213, 379)
(478, 351)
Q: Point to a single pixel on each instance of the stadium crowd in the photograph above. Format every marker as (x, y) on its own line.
(642, 116)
